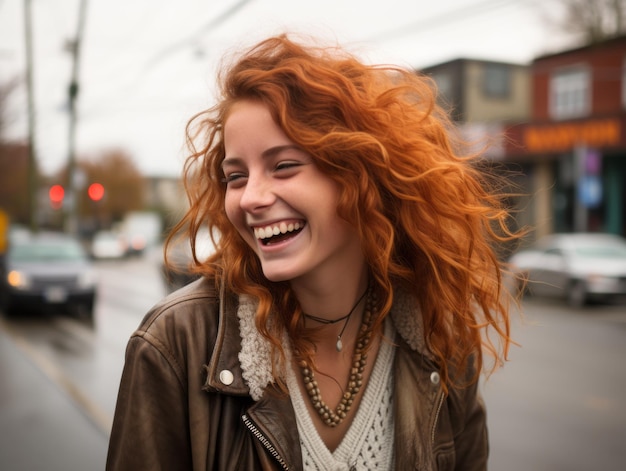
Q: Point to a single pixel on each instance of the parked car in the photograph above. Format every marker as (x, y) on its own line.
(47, 269)
(578, 267)
(177, 273)
(142, 230)
(109, 245)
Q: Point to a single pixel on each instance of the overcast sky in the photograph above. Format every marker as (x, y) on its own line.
(148, 65)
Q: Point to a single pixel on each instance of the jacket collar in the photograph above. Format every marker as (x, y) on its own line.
(239, 348)
(407, 319)
(241, 360)
(223, 370)
(240, 366)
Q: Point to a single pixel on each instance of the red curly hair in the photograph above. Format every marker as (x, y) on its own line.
(427, 216)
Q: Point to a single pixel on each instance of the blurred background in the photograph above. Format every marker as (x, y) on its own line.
(94, 98)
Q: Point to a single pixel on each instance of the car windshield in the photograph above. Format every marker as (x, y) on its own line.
(47, 251)
(601, 251)
(106, 236)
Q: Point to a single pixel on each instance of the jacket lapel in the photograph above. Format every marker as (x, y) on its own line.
(275, 418)
(273, 414)
(224, 373)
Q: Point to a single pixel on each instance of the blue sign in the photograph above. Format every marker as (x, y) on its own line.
(590, 191)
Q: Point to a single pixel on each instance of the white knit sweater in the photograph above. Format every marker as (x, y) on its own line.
(368, 443)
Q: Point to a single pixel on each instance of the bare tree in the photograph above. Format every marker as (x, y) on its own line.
(593, 21)
(13, 181)
(7, 89)
(14, 163)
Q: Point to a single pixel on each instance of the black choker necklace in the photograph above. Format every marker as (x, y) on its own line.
(321, 320)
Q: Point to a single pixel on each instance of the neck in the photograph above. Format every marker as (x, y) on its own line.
(334, 298)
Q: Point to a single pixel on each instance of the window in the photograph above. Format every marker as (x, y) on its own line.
(570, 93)
(497, 80)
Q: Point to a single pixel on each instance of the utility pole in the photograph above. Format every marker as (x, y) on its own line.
(33, 180)
(73, 197)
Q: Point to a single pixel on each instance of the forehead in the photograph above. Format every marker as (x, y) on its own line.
(247, 110)
(249, 126)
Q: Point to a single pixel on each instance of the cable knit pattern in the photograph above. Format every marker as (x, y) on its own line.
(368, 444)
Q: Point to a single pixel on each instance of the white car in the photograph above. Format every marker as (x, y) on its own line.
(177, 273)
(108, 245)
(578, 267)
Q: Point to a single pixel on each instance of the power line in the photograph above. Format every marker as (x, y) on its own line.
(440, 20)
(173, 48)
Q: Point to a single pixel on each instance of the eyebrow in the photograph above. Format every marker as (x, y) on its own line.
(271, 152)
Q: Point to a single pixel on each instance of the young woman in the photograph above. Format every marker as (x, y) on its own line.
(341, 322)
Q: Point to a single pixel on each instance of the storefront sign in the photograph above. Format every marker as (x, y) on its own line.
(590, 191)
(566, 136)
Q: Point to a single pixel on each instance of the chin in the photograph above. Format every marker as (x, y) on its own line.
(279, 274)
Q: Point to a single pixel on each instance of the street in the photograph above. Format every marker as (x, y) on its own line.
(558, 404)
(65, 427)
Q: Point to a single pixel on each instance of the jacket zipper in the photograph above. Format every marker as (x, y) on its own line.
(441, 398)
(266, 443)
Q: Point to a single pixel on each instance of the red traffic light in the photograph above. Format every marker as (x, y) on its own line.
(95, 191)
(56, 195)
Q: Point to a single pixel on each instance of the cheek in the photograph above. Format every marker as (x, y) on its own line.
(232, 209)
(328, 198)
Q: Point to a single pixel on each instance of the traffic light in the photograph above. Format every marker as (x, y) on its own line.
(95, 191)
(56, 194)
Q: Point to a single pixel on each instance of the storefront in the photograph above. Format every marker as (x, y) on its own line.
(576, 173)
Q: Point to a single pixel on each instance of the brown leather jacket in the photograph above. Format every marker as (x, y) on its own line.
(183, 404)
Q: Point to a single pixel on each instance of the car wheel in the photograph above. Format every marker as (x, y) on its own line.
(577, 294)
(6, 306)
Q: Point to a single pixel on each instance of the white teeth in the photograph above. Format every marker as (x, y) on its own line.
(282, 228)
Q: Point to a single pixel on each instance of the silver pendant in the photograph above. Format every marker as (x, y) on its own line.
(339, 345)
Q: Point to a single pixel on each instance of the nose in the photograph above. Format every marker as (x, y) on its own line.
(258, 193)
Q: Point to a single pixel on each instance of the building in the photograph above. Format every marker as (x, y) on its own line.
(485, 99)
(573, 148)
(482, 92)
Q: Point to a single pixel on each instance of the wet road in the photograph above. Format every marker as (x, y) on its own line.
(60, 376)
(557, 405)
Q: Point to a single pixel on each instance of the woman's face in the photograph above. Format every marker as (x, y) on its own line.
(280, 202)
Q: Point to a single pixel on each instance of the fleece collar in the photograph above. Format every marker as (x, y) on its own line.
(255, 358)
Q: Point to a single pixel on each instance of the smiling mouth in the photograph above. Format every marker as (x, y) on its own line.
(275, 233)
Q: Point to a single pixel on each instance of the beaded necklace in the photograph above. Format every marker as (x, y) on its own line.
(330, 417)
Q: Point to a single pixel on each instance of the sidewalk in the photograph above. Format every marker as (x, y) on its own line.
(41, 426)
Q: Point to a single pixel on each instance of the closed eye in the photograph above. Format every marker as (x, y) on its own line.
(233, 177)
(285, 166)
